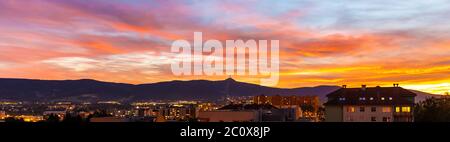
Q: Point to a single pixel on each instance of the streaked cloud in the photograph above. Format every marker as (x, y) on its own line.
(322, 42)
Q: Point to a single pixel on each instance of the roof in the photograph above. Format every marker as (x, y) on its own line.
(370, 96)
(247, 107)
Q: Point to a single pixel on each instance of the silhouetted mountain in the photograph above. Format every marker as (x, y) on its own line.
(216, 89)
(41, 90)
(92, 90)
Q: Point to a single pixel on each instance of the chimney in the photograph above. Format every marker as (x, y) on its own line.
(395, 84)
(363, 87)
(344, 86)
(378, 90)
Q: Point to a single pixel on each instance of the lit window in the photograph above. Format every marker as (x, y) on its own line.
(390, 98)
(406, 109)
(382, 98)
(386, 109)
(350, 109)
(397, 109)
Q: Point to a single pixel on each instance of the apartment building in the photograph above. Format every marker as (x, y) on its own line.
(370, 104)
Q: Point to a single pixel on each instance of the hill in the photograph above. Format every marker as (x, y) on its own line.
(92, 90)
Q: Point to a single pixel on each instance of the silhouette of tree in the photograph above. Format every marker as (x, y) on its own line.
(52, 118)
(433, 110)
(98, 113)
(307, 108)
(321, 114)
(101, 113)
(69, 118)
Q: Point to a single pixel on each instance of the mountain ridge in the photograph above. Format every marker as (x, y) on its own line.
(93, 90)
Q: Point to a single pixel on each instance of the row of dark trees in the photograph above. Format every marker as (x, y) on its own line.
(433, 110)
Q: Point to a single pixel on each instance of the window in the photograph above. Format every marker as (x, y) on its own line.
(382, 98)
(386, 119)
(350, 109)
(397, 109)
(373, 109)
(386, 109)
(373, 119)
(406, 109)
(361, 109)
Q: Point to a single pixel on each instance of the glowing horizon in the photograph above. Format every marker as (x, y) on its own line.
(321, 42)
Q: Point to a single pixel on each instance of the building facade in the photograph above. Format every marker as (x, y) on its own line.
(285, 101)
(375, 104)
(308, 105)
(2, 115)
(248, 113)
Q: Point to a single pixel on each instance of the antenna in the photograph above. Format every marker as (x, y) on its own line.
(227, 89)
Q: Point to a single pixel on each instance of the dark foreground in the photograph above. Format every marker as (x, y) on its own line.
(267, 131)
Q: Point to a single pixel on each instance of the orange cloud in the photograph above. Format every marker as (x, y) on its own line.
(39, 31)
(102, 47)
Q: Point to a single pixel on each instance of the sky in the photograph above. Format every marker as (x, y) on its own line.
(324, 42)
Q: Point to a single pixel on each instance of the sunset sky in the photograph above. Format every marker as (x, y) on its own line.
(324, 42)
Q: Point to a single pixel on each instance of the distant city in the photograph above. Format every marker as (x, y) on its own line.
(236, 109)
(362, 104)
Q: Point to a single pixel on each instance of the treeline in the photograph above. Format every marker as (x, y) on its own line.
(433, 110)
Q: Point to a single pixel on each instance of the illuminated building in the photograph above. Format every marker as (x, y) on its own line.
(60, 113)
(62, 106)
(109, 119)
(207, 107)
(376, 104)
(9, 103)
(173, 111)
(30, 118)
(291, 102)
(178, 112)
(109, 102)
(2, 115)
